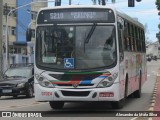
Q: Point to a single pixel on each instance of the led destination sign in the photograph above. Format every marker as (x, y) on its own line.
(75, 15)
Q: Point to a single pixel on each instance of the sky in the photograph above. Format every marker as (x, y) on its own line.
(145, 11)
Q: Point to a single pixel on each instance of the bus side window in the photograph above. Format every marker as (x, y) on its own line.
(129, 38)
(120, 37)
(125, 37)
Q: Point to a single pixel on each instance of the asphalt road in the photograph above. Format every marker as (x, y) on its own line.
(94, 111)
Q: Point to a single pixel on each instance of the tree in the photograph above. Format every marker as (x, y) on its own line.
(159, 26)
(94, 2)
(158, 4)
(158, 7)
(102, 2)
(113, 1)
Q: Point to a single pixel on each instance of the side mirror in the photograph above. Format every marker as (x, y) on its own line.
(28, 35)
(121, 27)
(4, 75)
(121, 57)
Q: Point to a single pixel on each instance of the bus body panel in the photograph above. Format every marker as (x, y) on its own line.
(48, 94)
(131, 67)
(128, 67)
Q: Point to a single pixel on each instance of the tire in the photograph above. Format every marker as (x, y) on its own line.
(126, 87)
(15, 96)
(29, 92)
(137, 93)
(56, 104)
(121, 103)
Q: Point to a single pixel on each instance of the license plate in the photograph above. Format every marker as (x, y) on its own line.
(7, 91)
(106, 94)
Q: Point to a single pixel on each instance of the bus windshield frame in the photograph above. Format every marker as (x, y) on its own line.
(82, 37)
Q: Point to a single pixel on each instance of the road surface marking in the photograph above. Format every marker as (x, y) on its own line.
(134, 118)
(153, 104)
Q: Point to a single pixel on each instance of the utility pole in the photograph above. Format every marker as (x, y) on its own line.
(102, 2)
(94, 2)
(57, 2)
(6, 10)
(1, 39)
(70, 2)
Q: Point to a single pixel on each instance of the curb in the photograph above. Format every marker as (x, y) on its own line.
(153, 100)
(154, 95)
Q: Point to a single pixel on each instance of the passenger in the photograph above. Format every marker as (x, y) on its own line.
(108, 44)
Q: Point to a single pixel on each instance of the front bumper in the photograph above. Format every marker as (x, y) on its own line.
(71, 95)
(12, 91)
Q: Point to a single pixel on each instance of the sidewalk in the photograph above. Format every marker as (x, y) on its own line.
(156, 95)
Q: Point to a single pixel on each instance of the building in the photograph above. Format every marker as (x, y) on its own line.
(153, 49)
(20, 51)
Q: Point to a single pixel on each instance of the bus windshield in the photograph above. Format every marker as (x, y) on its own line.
(84, 47)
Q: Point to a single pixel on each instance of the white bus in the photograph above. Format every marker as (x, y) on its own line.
(88, 53)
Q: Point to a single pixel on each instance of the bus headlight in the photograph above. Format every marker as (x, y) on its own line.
(108, 81)
(43, 81)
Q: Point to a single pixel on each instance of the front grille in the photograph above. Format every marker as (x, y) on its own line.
(84, 79)
(75, 93)
(7, 85)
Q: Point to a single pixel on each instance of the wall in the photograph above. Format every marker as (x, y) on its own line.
(23, 19)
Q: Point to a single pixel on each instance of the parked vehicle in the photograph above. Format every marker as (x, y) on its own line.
(149, 58)
(154, 58)
(18, 81)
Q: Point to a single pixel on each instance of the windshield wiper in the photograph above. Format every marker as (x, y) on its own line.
(90, 33)
(17, 76)
(86, 41)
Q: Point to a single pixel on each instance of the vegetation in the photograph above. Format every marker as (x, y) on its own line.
(158, 7)
(103, 2)
(158, 4)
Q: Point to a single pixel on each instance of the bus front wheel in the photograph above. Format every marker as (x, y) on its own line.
(137, 93)
(56, 104)
(119, 104)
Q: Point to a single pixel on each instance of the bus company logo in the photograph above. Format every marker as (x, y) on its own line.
(6, 114)
(75, 85)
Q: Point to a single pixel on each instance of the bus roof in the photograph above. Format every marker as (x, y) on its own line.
(121, 14)
(128, 18)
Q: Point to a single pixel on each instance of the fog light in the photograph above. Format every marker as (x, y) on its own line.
(56, 94)
(94, 95)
